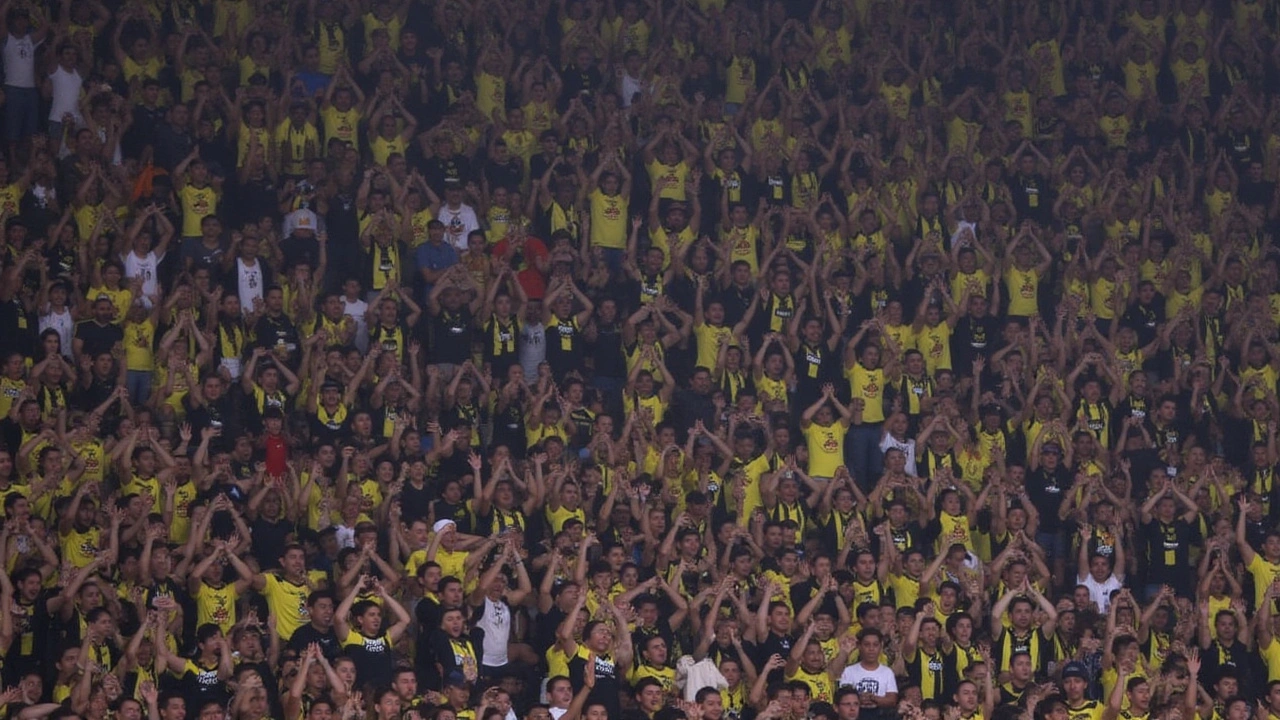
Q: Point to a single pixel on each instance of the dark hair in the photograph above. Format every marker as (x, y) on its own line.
(705, 693)
(643, 683)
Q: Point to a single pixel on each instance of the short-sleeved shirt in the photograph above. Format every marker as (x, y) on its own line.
(373, 658)
(98, 338)
(288, 602)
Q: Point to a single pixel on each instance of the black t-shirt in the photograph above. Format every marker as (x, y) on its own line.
(736, 300)
(450, 334)
(579, 80)
(307, 634)
(971, 338)
(273, 332)
(450, 654)
(607, 350)
(1032, 196)
(415, 503)
(507, 175)
(373, 658)
(99, 389)
(1168, 552)
(1046, 489)
(98, 338)
(268, 537)
(437, 169)
(547, 626)
(608, 681)
(774, 645)
(219, 414)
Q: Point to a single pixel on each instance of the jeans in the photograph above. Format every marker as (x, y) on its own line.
(1054, 543)
(613, 259)
(21, 112)
(138, 383)
(863, 456)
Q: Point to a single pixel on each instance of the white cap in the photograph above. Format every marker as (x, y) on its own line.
(441, 525)
(304, 219)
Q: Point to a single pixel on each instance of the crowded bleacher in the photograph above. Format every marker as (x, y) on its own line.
(640, 360)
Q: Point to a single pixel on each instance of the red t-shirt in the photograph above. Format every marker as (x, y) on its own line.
(525, 262)
(277, 455)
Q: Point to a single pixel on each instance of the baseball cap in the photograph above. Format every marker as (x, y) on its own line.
(1075, 670)
(456, 679)
(304, 220)
(1052, 447)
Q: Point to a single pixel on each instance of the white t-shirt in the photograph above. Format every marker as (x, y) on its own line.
(532, 347)
(630, 88)
(458, 224)
(20, 61)
(1100, 592)
(908, 449)
(356, 309)
(142, 267)
(879, 682)
(248, 283)
(496, 623)
(63, 323)
(65, 86)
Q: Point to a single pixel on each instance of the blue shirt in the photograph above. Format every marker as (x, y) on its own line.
(432, 256)
(313, 82)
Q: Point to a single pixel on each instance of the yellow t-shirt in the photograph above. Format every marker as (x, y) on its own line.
(708, 339)
(137, 485)
(1264, 573)
(297, 139)
(373, 23)
(1022, 288)
(491, 94)
(11, 196)
(418, 225)
(120, 299)
(9, 392)
(826, 448)
(80, 548)
(383, 148)
(249, 67)
(608, 220)
(341, 125)
(1271, 658)
(288, 602)
(139, 340)
(197, 203)
(744, 245)
(247, 138)
(180, 525)
(217, 605)
(675, 177)
(935, 343)
(740, 77)
(868, 386)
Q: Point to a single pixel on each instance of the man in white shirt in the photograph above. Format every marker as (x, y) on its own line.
(63, 89)
(1096, 570)
(559, 696)
(458, 217)
(357, 308)
(876, 685)
(251, 277)
(22, 99)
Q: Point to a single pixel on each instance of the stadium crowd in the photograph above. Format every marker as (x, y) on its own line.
(640, 359)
